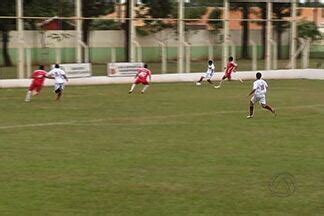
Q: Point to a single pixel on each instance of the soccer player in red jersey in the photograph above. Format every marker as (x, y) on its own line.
(143, 76)
(38, 77)
(230, 68)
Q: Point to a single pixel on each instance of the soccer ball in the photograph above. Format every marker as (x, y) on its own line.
(198, 83)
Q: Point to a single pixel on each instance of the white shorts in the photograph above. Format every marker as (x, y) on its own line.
(208, 75)
(259, 98)
(59, 87)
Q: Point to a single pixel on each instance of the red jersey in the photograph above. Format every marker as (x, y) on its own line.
(143, 74)
(39, 77)
(231, 66)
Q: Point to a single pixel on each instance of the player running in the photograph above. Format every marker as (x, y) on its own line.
(209, 74)
(230, 68)
(259, 90)
(143, 76)
(35, 87)
(60, 78)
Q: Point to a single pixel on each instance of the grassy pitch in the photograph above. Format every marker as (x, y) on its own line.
(177, 150)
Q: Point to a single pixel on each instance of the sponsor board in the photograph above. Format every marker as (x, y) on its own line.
(123, 69)
(76, 70)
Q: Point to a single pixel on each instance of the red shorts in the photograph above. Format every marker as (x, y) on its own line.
(228, 76)
(36, 86)
(141, 81)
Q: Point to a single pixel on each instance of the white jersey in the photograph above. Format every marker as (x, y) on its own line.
(211, 68)
(210, 72)
(260, 86)
(57, 73)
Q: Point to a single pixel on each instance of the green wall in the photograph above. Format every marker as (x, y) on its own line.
(150, 54)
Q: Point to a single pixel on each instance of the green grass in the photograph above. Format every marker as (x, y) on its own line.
(177, 150)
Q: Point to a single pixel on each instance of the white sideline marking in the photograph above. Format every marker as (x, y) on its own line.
(131, 119)
(48, 124)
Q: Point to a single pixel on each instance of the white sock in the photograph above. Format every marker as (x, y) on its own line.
(220, 83)
(132, 88)
(144, 88)
(28, 96)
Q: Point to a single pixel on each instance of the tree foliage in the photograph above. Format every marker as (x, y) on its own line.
(105, 25)
(45, 8)
(209, 3)
(93, 8)
(308, 29)
(216, 14)
(280, 11)
(245, 10)
(194, 12)
(155, 9)
(6, 25)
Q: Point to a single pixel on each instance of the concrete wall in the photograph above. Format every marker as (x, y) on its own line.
(114, 38)
(44, 45)
(186, 77)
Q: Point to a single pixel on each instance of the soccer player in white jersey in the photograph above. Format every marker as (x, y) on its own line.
(259, 95)
(60, 79)
(209, 74)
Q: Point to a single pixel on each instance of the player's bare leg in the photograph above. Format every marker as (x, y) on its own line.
(132, 88)
(268, 107)
(35, 93)
(199, 81)
(58, 96)
(144, 88)
(58, 93)
(239, 79)
(251, 110)
(28, 96)
(220, 83)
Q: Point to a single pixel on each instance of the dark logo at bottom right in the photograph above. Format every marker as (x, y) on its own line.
(282, 184)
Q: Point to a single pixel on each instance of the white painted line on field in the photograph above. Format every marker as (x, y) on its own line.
(129, 120)
(47, 124)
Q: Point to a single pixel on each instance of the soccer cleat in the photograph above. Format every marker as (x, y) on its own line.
(249, 116)
(217, 87)
(198, 83)
(130, 92)
(142, 92)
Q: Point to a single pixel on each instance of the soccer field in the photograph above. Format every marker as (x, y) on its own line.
(177, 150)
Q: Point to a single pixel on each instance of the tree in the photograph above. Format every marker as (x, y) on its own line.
(280, 10)
(262, 13)
(45, 8)
(49, 8)
(211, 3)
(105, 25)
(309, 30)
(93, 8)
(6, 25)
(244, 8)
(155, 9)
(215, 25)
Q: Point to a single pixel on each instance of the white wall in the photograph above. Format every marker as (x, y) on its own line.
(185, 77)
(116, 38)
